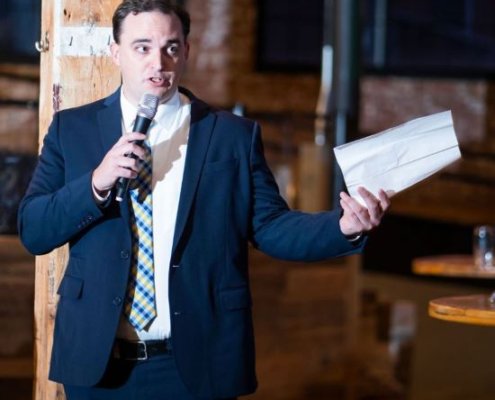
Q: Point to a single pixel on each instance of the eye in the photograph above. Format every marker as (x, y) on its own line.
(141, 49)
(173, 49)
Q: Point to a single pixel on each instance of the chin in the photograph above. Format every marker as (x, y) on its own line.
(165, 95)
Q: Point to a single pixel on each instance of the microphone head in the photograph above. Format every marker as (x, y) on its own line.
(147, 106)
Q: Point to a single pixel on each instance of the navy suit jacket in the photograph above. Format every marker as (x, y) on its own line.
(228, 199)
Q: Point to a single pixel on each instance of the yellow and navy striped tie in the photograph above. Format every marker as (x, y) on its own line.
(140, 306)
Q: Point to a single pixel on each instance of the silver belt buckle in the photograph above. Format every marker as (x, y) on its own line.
(145, 356)
(122, 355)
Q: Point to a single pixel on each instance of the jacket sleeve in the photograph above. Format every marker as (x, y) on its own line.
(286, 234)
(53, 211)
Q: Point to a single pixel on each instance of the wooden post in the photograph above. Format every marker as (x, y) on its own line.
(75, 69)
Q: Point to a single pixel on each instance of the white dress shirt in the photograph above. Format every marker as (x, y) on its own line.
(167, 137)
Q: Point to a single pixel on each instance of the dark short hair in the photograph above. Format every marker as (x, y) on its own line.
(138, 6)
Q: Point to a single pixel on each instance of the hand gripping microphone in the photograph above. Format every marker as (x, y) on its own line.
(146, 112)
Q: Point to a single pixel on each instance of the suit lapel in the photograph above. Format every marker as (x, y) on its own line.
(202, 123)
(109, 121)
(200, 133)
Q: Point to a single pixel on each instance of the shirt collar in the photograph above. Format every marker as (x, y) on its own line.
(164, 111)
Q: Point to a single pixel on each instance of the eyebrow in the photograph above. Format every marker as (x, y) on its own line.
(136, 41)
(171, 41)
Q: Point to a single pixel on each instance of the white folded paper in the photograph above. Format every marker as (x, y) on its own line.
(397, 158)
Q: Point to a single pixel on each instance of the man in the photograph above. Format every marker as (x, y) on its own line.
(212, 193)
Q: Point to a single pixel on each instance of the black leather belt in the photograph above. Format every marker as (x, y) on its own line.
(140, 350)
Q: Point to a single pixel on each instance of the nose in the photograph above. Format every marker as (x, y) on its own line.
(158, 60)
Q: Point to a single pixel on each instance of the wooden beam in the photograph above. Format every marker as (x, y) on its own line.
(67, 80)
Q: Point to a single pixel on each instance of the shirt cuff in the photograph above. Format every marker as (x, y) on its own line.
(99, 198)
(354, 238)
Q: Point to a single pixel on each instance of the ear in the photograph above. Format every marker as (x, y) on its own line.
(115, 52)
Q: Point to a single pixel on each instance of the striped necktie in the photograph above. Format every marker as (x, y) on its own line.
(140, 306)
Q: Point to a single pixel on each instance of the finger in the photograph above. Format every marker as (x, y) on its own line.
(134, 136)
(384, 200)
(127, 139)
(350, 216)
(123, 172)
(346, 202)
(356, 211)
(367, 196)
(130, 137)
(351, 203)
(129, 163)
(375, 210)
(129, 149)
(374, 205)
(137, 151)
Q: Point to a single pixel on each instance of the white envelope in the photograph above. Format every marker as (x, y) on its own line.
(397, 158)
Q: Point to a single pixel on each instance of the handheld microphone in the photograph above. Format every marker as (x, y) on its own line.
(146, 112)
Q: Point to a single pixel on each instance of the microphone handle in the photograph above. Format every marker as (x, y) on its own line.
(141, 125)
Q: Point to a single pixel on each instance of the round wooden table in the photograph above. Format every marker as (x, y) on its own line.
(455, 265)
(478, 309)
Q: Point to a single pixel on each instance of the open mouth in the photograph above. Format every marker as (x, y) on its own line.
(160, 82)
(157, 80)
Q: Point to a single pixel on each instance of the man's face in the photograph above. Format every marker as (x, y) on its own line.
(151, 55)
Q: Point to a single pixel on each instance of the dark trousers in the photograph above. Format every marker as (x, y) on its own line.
(154, 379)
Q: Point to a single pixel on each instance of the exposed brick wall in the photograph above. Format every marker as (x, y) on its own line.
(389, 101)
(222, 70)
(222, 67)
(464, 192)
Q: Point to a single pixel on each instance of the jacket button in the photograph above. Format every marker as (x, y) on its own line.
(175, 266)
(177, 313)
(124, 254)
(116, 301)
